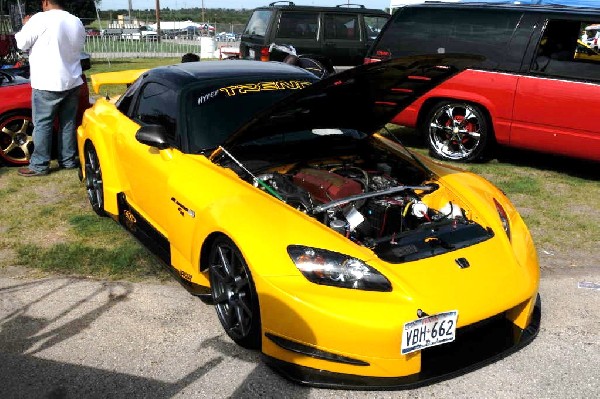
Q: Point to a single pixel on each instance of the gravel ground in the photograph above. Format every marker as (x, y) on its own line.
(77, 338)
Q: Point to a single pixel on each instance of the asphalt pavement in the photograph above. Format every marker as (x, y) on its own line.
(79, 338)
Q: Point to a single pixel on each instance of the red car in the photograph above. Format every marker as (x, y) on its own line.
(92, 32)
(16, 126)
(533, 89)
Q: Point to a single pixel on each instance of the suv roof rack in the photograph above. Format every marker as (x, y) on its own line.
(350, 4)
(290, 3)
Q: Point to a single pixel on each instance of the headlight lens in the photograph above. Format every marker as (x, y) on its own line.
(503, 218)
(331, 268)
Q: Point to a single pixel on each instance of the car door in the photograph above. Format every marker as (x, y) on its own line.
(553, 102)
(146, 169)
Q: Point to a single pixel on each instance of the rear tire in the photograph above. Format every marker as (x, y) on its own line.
(457, 131)
(93, 179)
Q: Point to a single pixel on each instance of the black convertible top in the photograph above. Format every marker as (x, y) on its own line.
(189, 72)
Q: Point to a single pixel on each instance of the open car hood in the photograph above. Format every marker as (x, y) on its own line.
(364, 98)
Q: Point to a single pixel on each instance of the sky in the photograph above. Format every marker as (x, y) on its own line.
(235, 4)
(250, 4)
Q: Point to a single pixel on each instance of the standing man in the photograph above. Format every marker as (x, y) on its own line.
(55, 40)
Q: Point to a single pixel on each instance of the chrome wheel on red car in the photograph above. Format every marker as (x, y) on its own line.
(16, 142)
(457, 131)
(234, 294)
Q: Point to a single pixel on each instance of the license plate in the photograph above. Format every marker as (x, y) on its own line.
(429, 331)
(251, 53)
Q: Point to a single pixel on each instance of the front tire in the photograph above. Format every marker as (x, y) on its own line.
(457, 131)
(93, 179)
(234, 294)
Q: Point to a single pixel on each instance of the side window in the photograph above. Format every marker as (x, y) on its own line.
(157, 104)
(564, 51)
(257, 24)
(341, 27)
(298, 25)
(124, 102)
(374, 26)
(415, 31)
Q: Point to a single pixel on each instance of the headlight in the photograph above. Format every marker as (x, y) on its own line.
(331, 268)
(503, 218)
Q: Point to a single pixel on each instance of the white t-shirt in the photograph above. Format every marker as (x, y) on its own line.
(55, 40)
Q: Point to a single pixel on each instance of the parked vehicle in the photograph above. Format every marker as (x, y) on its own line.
(112, 33)
(527, 94)
(226, 37)
(319, 239)
(16, 124)
(338, 37)
(592, 33)
(92, 32)
(585, 52)
(141, 33)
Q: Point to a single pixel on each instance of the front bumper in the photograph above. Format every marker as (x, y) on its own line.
(475, 346)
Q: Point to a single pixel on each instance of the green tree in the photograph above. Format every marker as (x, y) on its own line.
(84, 9)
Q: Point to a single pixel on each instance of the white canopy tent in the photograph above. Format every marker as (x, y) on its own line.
(179, 25)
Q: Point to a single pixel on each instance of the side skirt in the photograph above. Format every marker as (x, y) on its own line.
(156, 243)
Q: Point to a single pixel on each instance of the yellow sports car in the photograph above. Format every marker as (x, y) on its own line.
(283, 200)
(585, 52)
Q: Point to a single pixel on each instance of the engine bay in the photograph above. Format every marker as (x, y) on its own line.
(381, 201)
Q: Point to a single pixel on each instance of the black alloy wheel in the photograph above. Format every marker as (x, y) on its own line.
(16, 140)
(234, 294)
(457, 131)
(93, 179)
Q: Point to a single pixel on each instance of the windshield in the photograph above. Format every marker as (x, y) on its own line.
(213, 113)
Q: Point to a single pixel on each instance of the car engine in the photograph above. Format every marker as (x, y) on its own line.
(364, 199)
(366, 206)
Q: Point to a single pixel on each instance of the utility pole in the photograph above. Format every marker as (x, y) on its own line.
(203, 20)
(158, 19)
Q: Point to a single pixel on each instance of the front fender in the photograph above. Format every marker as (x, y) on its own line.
(94, 129)
(261, 225)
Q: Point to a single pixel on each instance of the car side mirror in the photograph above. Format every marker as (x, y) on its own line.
(153, 135)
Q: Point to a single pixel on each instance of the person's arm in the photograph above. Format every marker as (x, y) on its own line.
(27, 36)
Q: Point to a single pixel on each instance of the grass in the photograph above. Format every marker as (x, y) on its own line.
(48, 225)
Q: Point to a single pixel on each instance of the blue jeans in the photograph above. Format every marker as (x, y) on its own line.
(46, 106)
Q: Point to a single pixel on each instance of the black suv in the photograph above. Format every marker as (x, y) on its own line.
(338, 37)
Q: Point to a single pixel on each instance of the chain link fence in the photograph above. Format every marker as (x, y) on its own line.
(115, 47)
(169, 45)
